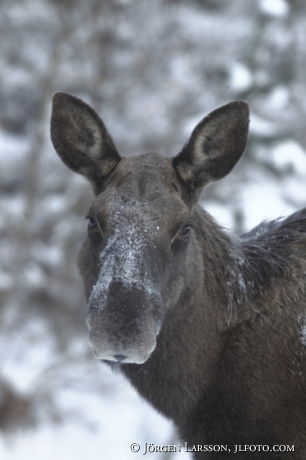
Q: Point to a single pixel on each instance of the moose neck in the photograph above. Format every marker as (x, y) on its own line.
(192, 336)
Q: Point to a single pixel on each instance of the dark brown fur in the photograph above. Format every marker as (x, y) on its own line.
(210, 329)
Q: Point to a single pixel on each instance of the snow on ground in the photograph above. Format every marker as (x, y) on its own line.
(100, 413)
(98, 428)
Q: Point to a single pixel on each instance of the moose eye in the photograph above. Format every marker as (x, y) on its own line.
(93, 230)
(92, 223)
(185, 230)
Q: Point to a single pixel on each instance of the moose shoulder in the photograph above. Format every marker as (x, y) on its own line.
(210, 329)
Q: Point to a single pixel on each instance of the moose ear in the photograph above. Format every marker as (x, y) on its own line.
(215, 146)
(81, 139)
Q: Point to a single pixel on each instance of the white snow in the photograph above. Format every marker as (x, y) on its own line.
(33, 276)
(262, 127)
(13, 151)
(119, 260)
(302, 327)
(93, 431)
(101, 421)
(221, 213)
(278, 98)
(263, 201)
(303, 335)
(289, 154)
(29, 354)
(277, 8)
(240, 77)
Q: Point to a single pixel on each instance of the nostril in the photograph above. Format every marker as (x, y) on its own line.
(120, 357)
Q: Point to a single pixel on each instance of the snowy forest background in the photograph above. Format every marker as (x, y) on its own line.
(152, 70)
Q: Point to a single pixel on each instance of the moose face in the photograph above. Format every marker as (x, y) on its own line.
(141, 254)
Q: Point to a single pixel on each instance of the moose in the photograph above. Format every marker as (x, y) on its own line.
(209, 328)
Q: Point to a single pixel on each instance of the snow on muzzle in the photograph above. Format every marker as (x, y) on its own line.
(125, 310)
